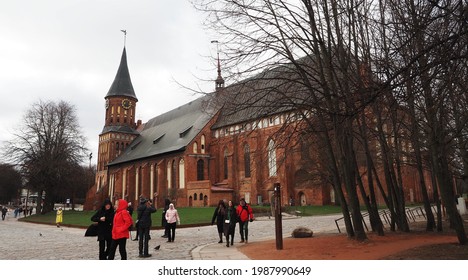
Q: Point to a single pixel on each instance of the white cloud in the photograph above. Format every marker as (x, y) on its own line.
(70, 50)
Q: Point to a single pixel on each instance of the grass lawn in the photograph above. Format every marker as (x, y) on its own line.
(188, 216)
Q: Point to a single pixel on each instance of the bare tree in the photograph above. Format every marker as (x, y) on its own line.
(429, 38)
(341, 60)
(48, 146)
(318, 47)
(10, 183)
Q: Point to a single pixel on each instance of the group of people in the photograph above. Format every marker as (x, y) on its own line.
(114, 223)
(23, 210)
(227, 217)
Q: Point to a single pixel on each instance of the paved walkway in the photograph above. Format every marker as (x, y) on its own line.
(28, 241)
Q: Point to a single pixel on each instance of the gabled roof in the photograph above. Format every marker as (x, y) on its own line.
(169, 132)
(122, 85)
(271, 92)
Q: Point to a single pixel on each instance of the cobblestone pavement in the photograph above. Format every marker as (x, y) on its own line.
(29, 241)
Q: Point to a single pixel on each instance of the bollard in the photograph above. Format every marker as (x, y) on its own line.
(278, 220)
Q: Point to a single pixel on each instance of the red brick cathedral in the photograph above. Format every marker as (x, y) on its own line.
(202, 152)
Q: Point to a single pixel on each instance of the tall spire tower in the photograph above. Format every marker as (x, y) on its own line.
(219, 82)
(119, 127)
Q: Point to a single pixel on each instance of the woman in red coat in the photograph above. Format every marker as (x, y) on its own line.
(120, 229)
(245, 213)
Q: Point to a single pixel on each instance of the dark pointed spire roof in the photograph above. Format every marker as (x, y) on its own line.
(122, 85)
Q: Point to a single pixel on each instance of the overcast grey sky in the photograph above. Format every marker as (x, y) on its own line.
(70, 50)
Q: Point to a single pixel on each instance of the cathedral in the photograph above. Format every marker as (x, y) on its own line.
(202, 152)
(194, 155)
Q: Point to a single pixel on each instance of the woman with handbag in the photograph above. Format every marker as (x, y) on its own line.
(104, 218)
(230, 221)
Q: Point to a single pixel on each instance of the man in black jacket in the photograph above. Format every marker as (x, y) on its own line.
(144, 211)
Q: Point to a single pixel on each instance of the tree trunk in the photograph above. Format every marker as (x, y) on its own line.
(446, 191)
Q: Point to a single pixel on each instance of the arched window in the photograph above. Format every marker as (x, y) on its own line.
(202, 140)
(173, 173)
(182, 174)
(200, 170)
(271, 158)
(195, 147)
(194, 196)
(225, 163)
(247, 160)
(201, 196)
(168, 175)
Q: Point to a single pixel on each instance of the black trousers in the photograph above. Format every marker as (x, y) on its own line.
(104, 248)
(171, 231)
(244, 230)
(121, 243)
(143, 240)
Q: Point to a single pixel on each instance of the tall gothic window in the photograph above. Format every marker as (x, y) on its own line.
(271, 158)
(200, 170)
(173, 173)
(202, 144)
(168, 175)
(182, 173)
(225, 163)
(247, 160)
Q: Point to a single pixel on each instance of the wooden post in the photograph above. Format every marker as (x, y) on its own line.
(278, 221)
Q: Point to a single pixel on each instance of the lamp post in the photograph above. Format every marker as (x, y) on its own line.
(278, 220)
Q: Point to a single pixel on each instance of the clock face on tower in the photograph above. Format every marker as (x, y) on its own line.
(126, 104)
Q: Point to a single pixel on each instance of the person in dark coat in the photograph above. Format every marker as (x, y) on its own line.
(218, 216)
(142, 201)
(144, 211)
(163, 219)
(4, 212)
(230, 221)
(105, 218)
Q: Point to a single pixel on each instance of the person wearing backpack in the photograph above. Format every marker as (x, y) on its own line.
(245, 213)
